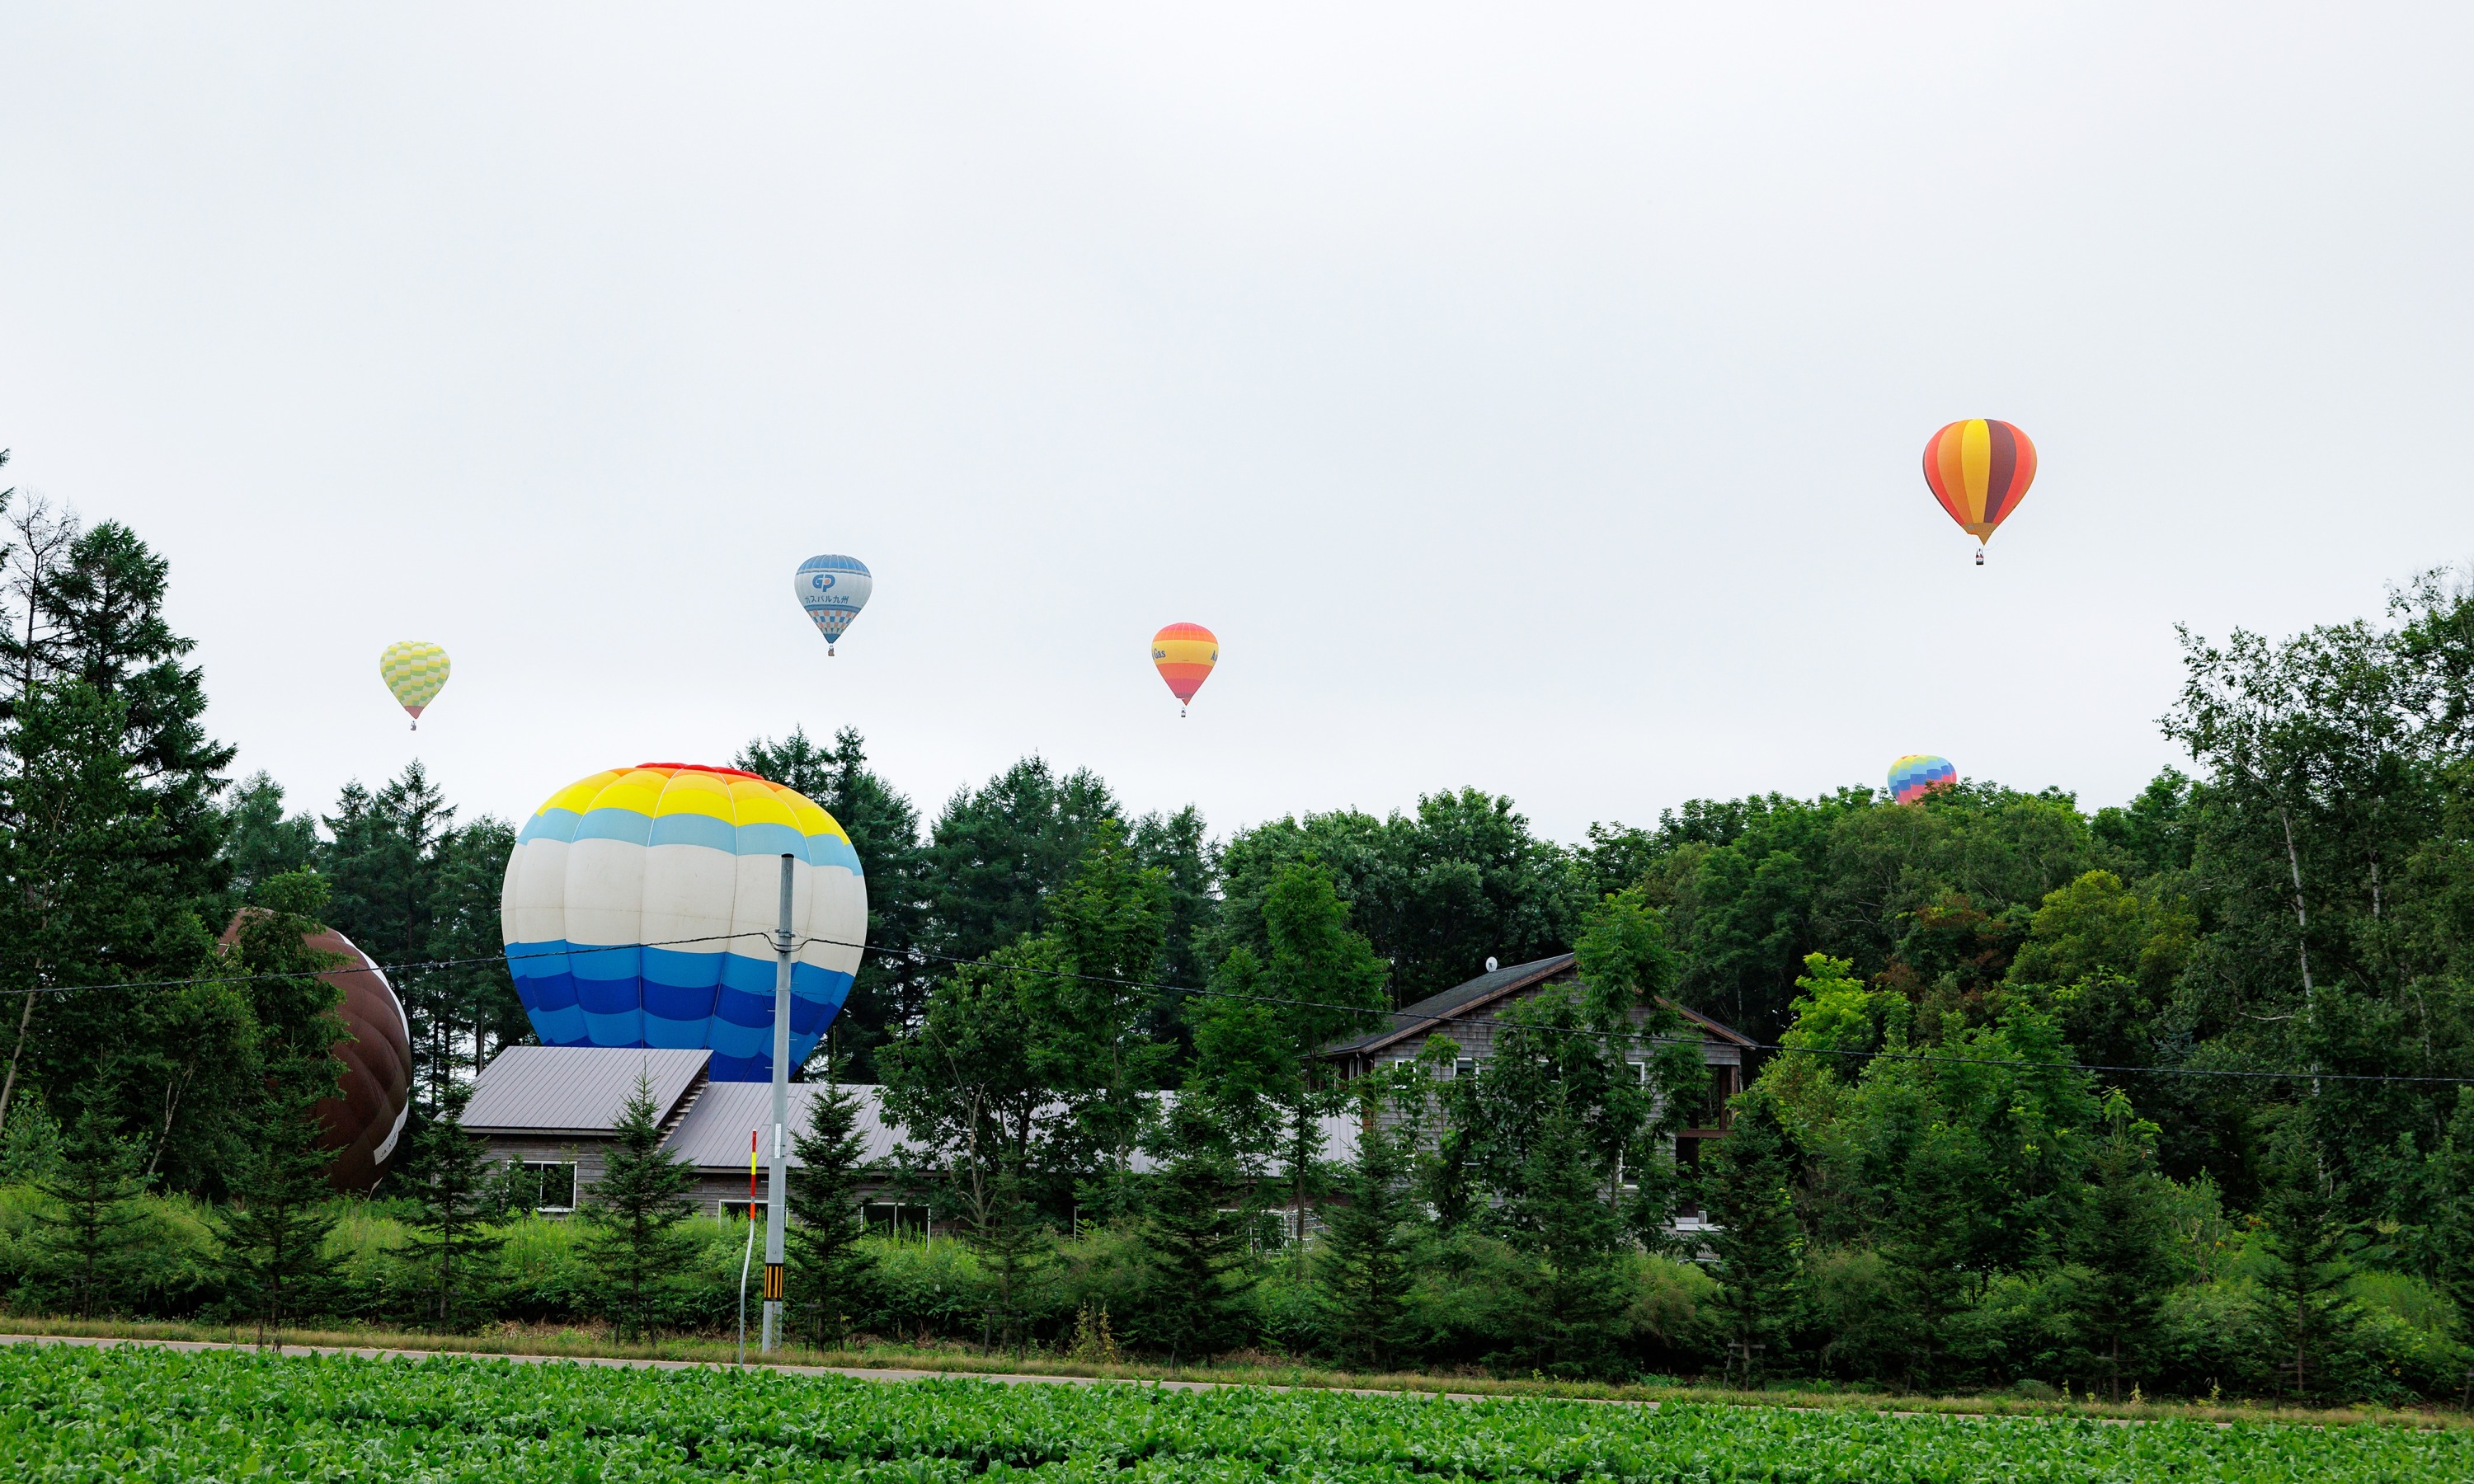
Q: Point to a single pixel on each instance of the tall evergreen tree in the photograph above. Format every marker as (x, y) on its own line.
(1747, 1186)
(107, 825)
(1371, 1241)
(111, 829)
(382, 863)
(111, 601)
(1195, 1245)
(2313, 1253)
(1176, 850)
(90, 887)
(96, 1184)
(470, 1000)
(412, 887)
(2124, 1244)
(99, 895)
(275, 1265)
(831, 1273)
(273, 1234)
(996, 854)
(633, 1241)
(260, 841)
(1561, 1215)
(90, 608)
(449, 1177)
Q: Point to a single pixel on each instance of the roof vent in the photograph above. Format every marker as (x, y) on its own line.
(1489, 966)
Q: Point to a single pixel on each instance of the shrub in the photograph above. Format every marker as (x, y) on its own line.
(928, 1289)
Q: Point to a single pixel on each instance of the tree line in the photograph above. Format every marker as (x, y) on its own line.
(2168, 1094)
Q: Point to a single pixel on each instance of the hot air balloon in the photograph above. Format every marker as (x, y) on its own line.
(363, 1123)
(1919, 774)
(640, 906)
(832, 589)
(1184, 654)
(1979, 469)
(416, 672)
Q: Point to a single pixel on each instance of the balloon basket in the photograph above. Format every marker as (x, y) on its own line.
(1980, 558)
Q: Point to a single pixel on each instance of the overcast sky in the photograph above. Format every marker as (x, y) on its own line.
(1529, 396)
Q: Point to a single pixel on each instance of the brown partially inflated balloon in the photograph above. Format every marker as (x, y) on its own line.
(364, 1122)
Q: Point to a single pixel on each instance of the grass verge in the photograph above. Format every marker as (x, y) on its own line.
(959, 1361)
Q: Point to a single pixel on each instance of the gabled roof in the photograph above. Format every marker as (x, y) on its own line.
(1714, 1030)
(1437, 1012)
(575, 1089)
(714, 1135)
(1461, 1000)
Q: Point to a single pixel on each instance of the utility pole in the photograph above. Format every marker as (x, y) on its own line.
(776, 1195)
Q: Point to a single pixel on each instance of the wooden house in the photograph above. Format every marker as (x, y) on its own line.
(1469, 1015)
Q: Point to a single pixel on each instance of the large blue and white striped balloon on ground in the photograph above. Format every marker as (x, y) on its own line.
(640, 905)
(832, 589)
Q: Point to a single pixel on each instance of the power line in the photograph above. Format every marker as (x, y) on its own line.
(1648, 1038)
(414, 967)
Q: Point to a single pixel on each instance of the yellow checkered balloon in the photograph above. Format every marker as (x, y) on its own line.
(416, 672)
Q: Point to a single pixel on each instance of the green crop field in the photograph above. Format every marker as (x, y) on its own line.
(71, 1413)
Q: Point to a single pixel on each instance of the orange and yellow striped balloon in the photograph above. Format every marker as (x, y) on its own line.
(1184, 654)
(1979, 469)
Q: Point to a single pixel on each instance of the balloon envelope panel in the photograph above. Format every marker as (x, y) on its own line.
(1919, 774)
(1184, 654)
(640, 905)
(414, 672)
(832, 589)
(1979, 468)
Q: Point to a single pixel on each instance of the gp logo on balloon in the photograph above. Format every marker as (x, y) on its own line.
(821, 581)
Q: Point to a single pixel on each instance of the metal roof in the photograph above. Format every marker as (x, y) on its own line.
(1433, 1012)
(575, 1089)
(714, 1135)
(1436, 1012)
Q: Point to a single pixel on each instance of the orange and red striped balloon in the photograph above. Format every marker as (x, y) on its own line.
(1184, 654)
(1979, 469)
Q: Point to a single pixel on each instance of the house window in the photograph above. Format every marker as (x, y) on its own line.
(1722, 1086)
(886, 1218)
(1464, 1066)
(1266, 1231)
(545, 1185)
(1688, 1161)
